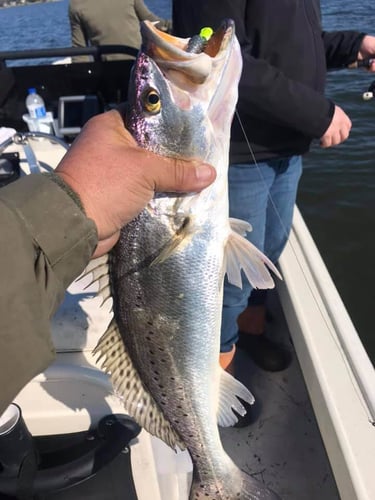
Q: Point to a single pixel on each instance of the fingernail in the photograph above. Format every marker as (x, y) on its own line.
(205, 172)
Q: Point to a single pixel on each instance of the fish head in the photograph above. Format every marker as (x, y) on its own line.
(181, 104)
(162, 117)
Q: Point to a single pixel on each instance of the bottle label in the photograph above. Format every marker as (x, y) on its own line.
(37, 112)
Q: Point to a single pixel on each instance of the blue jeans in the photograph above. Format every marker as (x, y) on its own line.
(263, 195)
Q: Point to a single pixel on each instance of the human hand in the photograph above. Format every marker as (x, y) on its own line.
(367, 50)
(338, 130)
(115, 178)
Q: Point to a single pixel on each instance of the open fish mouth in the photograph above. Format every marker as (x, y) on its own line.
(171, 53)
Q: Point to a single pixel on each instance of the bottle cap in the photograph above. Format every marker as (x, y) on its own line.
(32, 90)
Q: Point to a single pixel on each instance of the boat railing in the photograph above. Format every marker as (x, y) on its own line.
(96, 52)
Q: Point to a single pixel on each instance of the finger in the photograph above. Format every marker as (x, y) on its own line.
(105, 245)
(325, 141)
(338, 138)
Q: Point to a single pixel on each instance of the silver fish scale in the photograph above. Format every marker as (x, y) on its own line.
(167, 315)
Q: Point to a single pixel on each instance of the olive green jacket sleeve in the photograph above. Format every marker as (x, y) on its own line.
(46, 242)
(144, 13)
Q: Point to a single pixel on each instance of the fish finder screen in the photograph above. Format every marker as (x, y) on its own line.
(74, 111)
(73, 114)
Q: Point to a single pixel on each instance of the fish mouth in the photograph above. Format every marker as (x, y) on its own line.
(171, 53)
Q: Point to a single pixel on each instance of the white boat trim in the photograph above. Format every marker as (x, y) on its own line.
(338, 373)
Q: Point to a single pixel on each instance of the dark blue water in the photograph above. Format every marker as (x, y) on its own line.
(337, 193)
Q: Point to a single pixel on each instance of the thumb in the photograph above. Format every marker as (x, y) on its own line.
(177, 175)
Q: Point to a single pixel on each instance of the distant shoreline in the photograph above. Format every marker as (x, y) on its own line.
(19, 3)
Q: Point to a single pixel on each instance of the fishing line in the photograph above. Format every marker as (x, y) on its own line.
(334, 337)
(261, 175)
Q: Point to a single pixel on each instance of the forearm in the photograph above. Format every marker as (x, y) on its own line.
(341, 47)
(47, 241)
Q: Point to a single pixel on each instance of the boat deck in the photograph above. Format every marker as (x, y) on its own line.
(283, 447)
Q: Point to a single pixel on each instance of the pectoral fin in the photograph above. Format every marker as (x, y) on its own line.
(181, 237)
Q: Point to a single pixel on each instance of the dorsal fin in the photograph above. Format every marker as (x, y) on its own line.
(98, 270)
(138, 402)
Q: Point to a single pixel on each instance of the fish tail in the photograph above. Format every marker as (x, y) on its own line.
(241, 486)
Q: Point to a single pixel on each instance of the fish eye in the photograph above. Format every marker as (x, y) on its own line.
(151, 101)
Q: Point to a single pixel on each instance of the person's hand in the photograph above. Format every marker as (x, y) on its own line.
(115, 178)
(367, 50)
(338, 130)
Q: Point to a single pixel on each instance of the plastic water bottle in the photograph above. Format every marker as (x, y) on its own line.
(35, 105)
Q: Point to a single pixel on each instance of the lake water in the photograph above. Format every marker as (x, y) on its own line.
(337, 192)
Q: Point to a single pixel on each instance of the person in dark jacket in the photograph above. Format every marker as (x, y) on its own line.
(281, 110)
(94, 22)
(52, 225)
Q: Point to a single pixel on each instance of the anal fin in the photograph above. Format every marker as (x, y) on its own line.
(230, 390)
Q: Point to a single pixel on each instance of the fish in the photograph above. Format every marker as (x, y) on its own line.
(165, 275)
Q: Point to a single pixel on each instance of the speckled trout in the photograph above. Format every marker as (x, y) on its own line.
(166, 272)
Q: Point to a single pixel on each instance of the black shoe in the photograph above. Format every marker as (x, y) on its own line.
(265, 353)
(252, 413)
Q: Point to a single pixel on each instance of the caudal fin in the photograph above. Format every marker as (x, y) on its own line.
(239, 486)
